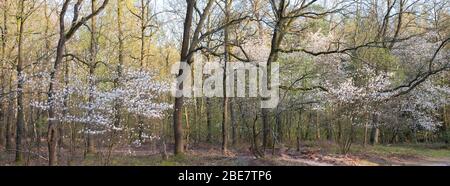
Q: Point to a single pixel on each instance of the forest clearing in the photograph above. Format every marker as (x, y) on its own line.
(225, 82)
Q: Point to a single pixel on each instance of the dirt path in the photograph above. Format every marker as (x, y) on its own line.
(304, 161)
(406, 161)
(425, 162)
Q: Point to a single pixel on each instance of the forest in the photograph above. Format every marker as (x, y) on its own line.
(357, 82)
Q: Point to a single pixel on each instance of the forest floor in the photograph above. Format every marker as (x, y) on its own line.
(311, 154)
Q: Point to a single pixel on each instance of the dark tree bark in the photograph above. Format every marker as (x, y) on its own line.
(234, 124)
(3, 111)
(119, 71)
(208, 120)
(65, 105)
(9, 118)
(279, 126)
(299, 131)
(317, 121)
(225, 99)
(93, 50)
(178, 106)
(375, 132)
(277, 39)
(20, 122)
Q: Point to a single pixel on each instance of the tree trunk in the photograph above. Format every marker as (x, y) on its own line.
(92, 66)
(65, 105)
(279, 133)
(198, 119)
(20, 122)
(299, 131)
(178, 105)
(225, 99)
(188, 129)
(273, 57)
(121, 60)
(9, 118)
(266, 129)
(339, 134)
(330, 126)
(117, 84)
(375, 132)
(234, 124)
(317, 126)
(52, 135)
(255, 138)
(445, 125)
(208, 120)
(366, 129)
(2, 115)
(3, 124)
(308, 125)
(178, 127)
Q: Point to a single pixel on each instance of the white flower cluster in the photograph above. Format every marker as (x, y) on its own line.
(77, 102)
(365, 85)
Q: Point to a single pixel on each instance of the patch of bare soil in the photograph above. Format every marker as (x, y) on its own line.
(404, 160)
(319, 158)
(421, 162)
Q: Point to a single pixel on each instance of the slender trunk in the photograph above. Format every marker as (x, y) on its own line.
(224, 126)
(143, 27)
(20, 122)
(308, 125)
(330, 126)
(65, 105)
(339, 125)
(117, 85)
(375, 133)
(234, 124)
(142, 37)
(255, 138)
(317, 126)
(198, 119)
(279, 123)
(225, 99)
(188, 129)
(266, 128)
(121, 60)
(92, 66)
(2, 115)
(32, 124)
(10, 117)
(299, 131)
(399, 23)
(208, 120)
(446, 125)
(3, 124)
(366, 129)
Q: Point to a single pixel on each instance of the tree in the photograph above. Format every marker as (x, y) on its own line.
(64, 36)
